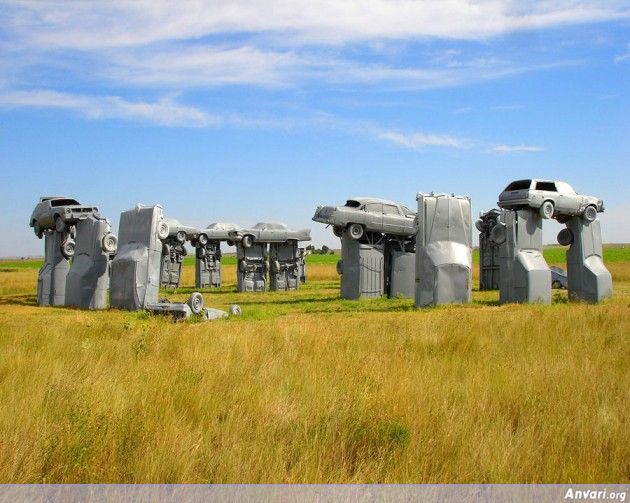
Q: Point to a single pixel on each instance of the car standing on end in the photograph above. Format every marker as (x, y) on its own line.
(551, 198)
(368, 214)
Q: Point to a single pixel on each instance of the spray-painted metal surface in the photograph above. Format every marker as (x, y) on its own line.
(368, 214)
(58, 213)
(88, 279)
(178, 310)
(558, 278)
(524, 274)
(284, 266)
(173, 253)
(489, 269)
(135, 271)
(443, 250)
(302, 264)
(362, 268)
(588, 278)
(552, 198)
(252, 267)
(402, 280)
(51, 279)
(268, 232)
(207, 243)
(210, 313)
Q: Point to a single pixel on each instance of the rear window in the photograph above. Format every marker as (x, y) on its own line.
(548, 186)
(351, 203)
(64, 202)
(519, 185)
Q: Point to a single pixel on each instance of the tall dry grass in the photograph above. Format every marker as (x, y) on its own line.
(477, 393)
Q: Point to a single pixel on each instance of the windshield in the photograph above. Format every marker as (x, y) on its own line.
(64, 202)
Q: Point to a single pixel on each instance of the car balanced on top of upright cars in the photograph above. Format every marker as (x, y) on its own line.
(553, 199)
(368, 214)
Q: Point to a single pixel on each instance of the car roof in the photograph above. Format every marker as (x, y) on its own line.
(364, 200)
(48, 198)
(270, 226)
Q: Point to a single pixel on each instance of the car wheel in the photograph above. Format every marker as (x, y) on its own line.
(337, 231)
(229, 242)
(556, 284)
(339, 267)
(498, 234)
(200, 252)
(546, 210)
(479, 225)
(37, 230)
(590, 214)
(242, 266)
(275, 266)
(68, 248)
(355, 231)
(247, 241)
(60, 225)
(163, 229)
(181, 236)
(203, 239)
(195, 302)
(166, 249)
(565, 237)
(109, 243)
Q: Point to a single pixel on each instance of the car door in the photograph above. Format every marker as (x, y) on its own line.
(548, 192)
(392, 219)
(373, 216)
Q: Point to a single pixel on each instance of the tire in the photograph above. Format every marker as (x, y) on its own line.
(556, 284)
(166, 249)
(339, 267)
(235, 310)
(479, 225)
(247, 241)
(546, 210)
(200, 252)
(181, 236)
(163, 229)
(498, 234)
(355, 231)
(202, 239)
(590, 214)
(37, 230)
(242, 266)
(229, 242)
(275, 266)
(60, 225)
(109, 243)
(195, 302)
(337, 231)
(68, 248)
(565, 237)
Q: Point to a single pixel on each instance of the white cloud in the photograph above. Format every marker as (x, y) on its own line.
(622, 57)
(95, 24)
(510, 149)
(418, 141)
(164, 112)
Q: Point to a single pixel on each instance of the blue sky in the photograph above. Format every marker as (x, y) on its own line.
(249, 111)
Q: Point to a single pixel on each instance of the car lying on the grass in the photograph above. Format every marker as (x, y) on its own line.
(559, 278)
(268, 233)
(551, 198)
(58, 212)
(368, 214)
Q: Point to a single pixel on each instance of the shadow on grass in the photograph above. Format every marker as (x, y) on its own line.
(19, 300)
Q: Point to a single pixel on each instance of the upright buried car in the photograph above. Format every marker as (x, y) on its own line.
(368, 214)
(551, 198)
(268, 233)
(58, 212)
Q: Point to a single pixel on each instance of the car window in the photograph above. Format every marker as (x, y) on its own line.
(351, 203)
(519, 185)
(548, 186)
(374, 208)
(564, 188)
(63, 202)
(388, 209)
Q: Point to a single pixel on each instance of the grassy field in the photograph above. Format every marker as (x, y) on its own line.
(305, 387)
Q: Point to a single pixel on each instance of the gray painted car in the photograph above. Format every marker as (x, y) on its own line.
(368, 214)
(267, 232)
(58, 212)
(218, 231)
(552, 198)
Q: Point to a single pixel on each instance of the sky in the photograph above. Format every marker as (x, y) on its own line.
(248, 111)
